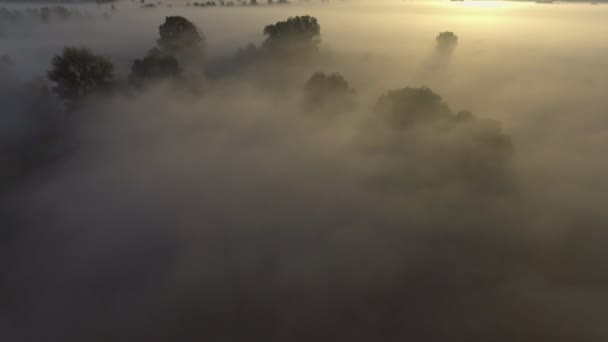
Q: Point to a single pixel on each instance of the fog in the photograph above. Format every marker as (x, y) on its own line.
(232, 204)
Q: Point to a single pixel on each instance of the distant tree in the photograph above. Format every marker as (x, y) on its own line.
(328, 91)
(296, 35)
(446, 42)
(155, 66)
(408, 106)
(180, 38)
(78, 72)
(461, 149)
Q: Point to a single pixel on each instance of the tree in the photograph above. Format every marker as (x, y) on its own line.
(296, 35)
(155, 66)
(446, 42)
(460, 148)
(181, 39)
(328, 91)
(77, 72)
(408, 106)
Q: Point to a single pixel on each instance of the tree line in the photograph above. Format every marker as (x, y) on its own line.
(78, 73)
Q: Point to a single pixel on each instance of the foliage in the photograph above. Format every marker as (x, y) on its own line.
(154, 66)
(446, 42)
(295, 35)
(329, 91)
(408, 106)
(460, 148)
(77, 72)
(180, 38)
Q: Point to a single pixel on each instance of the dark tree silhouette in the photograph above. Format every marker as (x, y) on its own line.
(408, 106)
(328, 91)
(77, 72)
(296, 35)
(155, 66)
(463, 149)
(446, 42)
(181, 39)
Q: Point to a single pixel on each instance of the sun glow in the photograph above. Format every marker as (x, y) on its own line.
(486, 4)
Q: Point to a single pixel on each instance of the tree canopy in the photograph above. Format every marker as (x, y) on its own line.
(180, 38)
(296, 34)
(461, 148)
(446, 42)
(78, 72)
(153, 67)
(329, 91)
(408, 106)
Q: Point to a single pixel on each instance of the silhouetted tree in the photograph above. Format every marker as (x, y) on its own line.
(463, 150)
(408, 106)
(78, 72)
(328, 91)
(446, 42)
(181, 39)
(153, 67)
(296, 35)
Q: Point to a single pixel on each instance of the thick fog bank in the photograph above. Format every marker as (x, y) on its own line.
(386, 182)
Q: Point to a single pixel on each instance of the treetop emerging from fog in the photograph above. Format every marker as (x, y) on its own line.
(447, 42)
(295, 33)
(407, 106)
(155, 66)
(180, 38)
(78, 72)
